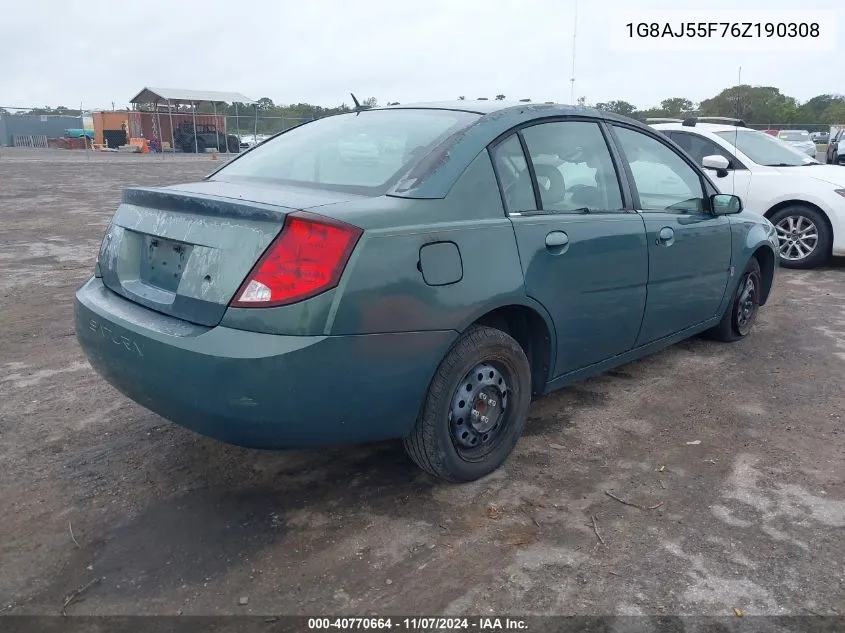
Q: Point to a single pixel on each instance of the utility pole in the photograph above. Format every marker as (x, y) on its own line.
(739, 77)
(574, 35)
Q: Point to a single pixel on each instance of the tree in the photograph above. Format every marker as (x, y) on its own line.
(754, 104)
(500, 97)
(834, 114)
(370, 102)
(462, 98)
(823, 108)
(582, 101)
(677, 107)
(265, 103)
(617, 107)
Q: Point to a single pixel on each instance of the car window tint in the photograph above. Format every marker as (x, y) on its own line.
(512, 169)
(573, 167)
(664, 180)
(698, 147)
(364, 152)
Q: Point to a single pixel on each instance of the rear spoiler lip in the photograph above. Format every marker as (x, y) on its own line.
(203, 204)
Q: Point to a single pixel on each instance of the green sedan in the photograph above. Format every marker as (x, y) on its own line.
(417, 272)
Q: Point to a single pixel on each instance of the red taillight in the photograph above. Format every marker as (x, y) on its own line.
(307, 258)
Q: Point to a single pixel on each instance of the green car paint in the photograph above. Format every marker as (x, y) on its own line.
(437, 254)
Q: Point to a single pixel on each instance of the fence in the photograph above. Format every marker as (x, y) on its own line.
(809, 127)
(32, 127)
(262, 125)
(25, 127)
(34, 141)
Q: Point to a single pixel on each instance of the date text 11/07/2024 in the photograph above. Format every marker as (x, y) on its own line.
(418, 624)
(723, 29)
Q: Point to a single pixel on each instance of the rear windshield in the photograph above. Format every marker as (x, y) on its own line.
(794, 136)
(365, 152)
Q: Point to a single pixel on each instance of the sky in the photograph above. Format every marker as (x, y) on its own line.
(97, 52)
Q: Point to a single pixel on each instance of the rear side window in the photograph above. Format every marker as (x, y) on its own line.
(514, 176)
(664, 180)
(364, 153)
(574, 170)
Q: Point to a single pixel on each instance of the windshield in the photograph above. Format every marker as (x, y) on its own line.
(764, 149)
(793, 135)
(364, 153)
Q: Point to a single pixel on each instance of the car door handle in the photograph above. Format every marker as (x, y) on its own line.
(666, 236)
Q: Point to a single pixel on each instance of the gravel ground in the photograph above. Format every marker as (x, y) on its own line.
(735, 452)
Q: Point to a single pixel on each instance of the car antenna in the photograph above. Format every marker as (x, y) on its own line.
(358, 106)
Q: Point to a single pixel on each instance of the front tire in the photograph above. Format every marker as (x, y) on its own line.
(475, 408)
(741, 314)
(804, 239)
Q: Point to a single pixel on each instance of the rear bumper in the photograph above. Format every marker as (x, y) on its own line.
(254, 389)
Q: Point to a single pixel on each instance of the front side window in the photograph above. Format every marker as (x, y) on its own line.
(573, 167)
(365, 152)
(664, 180)
(764, 149)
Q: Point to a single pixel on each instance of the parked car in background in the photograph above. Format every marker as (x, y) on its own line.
(799, 140)
(836, 148)
(250, 140)
(804, 199)
(771, 132)
(458, 259)
(820, 137)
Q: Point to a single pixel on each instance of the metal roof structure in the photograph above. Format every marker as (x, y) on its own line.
(182, 96)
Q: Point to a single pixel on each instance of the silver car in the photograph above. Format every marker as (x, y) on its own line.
(799, 140)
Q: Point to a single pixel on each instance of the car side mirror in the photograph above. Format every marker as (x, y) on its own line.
(725, 204)
(717, 162)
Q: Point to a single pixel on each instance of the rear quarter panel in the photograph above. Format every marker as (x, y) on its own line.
(383, 289)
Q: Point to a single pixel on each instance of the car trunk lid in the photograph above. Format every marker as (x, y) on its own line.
(184, 251)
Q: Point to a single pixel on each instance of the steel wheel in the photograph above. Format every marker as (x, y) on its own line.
(798, 237)
(475, 408)
(748, 300)
(479, 413)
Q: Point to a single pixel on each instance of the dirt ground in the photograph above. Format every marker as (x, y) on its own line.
(735, 454)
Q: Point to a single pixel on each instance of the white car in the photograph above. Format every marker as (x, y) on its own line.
(803, 198)
(799, 140)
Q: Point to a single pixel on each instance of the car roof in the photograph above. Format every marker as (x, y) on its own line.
(706, 127)
(465, 105)
(485, 107)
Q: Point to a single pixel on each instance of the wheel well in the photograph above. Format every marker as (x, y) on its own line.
(528, 329)
(799, 203)
(766, 259)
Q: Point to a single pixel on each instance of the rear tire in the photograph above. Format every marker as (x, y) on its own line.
(475, 408)
(795, 225)
(741, 314)
(233, 145)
